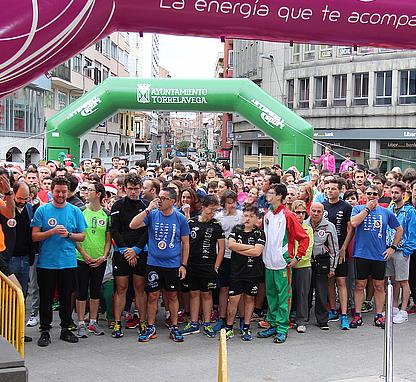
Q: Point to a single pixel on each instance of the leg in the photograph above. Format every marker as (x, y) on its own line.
(173, 307)
(232, 309)
(206, 305)
(47, 280)
(194, 304)
(303, 285)
(405, 294)
(379, 295)
(412, 276)
(108, 298)
(223, 301)
(66, 287)
(343, 294)
(332, 293)
(359, 294)
(284, 298)
(97, 275)
(121, 283)
(34, 287)
(321, 299)
(351, 283)
(139, 283)
(272, 297)
(83, 273)
(152, 300)
(249, 302)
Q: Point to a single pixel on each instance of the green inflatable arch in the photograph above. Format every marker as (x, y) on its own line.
(293, 134)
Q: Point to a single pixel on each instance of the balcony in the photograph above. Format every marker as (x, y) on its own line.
(63, 72)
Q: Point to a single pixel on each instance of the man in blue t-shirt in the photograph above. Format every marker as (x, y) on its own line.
(371, 252)
(57, 226)
(167, 259)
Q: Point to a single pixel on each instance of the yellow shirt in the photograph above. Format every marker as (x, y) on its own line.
(306, 260)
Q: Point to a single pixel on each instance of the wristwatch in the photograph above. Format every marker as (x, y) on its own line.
(393, 247)
(297, 258)
(69, 235)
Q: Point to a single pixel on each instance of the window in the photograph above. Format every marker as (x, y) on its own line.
(77, 63)
(99, 46)
(290, 93)
(321, 91)
(360, 89)
(383, 88)
(88, 67)
(407, 87)
(295, 54)
(62, 100)
(303, 93)
(340, 90)
(106, 72)
(325, 51)
(114, 51)
(308, 52)
(106, 46)
(230, 59)
(97, 73)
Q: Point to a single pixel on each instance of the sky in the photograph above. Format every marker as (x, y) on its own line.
(189, 57)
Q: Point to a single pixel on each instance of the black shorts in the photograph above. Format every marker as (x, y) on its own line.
(224, 273)
(121, 267)
(204, 284)
(249, 287)
(89, 278)
(365, 268)
(158, 278)
(342, 269)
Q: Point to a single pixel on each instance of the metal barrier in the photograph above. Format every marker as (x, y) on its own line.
(388, 336)
(12, 314)
(222, 359)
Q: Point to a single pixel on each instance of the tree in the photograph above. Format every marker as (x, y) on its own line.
(183, 146)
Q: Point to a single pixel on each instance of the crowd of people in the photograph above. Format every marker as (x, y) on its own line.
(212, 245)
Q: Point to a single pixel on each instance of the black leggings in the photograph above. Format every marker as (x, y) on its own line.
(89, 277)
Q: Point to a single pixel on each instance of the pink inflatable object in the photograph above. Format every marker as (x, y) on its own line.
(37, 35)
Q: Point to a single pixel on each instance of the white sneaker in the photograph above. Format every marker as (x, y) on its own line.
(395, 311)
(33, 320)
(301, 329)
(400, 317)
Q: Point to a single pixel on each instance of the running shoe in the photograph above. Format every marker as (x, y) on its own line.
(301, 329)
(68, 336)
(263, 324)
(175, 334)
(33, 320)
(241, 325)
(214, 316)
(111, 324)
(256, 317)
(209, 331)
(168, 323)
(148, 334)
(117, 332)
(246, 335)
(142, 326)
(133, 322)
(379, 322)
(367, 307)
(412, 309)
(44, 339)
(323, 326)
(271, 331)
(280, 338)
(190, 328)
(333, 316)
(400, 317)
(94, 328)
(181, 316)
(82, 331)
(345, 325)
(356, 322)
(229, 334)
(220, 324)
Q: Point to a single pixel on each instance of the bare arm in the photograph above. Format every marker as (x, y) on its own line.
(38, 235)
(220, 255)
(7, 208)
(245, 249)
(138, 220)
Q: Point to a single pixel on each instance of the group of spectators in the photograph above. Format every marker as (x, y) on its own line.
(263, 245)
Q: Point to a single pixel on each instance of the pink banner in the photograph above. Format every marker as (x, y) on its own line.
(38, 35)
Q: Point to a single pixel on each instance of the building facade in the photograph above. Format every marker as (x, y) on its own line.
(361, 101)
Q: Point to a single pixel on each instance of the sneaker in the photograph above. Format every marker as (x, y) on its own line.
(280, 338)
(68, 336)
(356, 322)
(28, 339)
(323, 326)
(168, 323)
(181, 317)
(148, 334)
(333, 316)
(256, 317)
(401, 317)
(412, 309)
(367, 307)
(82, 331)
(175, 334)
(263, 324)
(111, 324)
(44, 339)
(209, 331)
(142, 326)
(246, 335)
(33, 320)
(95, 329)
(229, 334)
(345, 325)
(133, 322)
(117, 332)
(241, 325)
(267, 332)
(395, 311)
(191, 328)
(379, 322)
(214, 316)
(220, 324)
(301, 329)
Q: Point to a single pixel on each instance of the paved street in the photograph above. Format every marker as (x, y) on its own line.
(353, 356)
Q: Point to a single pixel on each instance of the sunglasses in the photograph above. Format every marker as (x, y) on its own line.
(371, 193)
(84, 188)
(300, 212)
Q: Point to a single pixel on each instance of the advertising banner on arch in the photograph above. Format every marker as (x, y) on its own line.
(36, 36)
